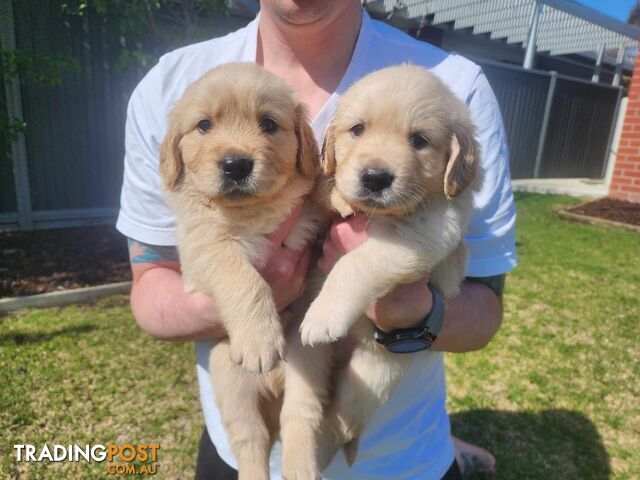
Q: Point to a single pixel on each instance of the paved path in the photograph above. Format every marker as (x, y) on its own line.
(576, 187)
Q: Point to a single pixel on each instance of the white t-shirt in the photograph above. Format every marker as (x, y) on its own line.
(409, 438)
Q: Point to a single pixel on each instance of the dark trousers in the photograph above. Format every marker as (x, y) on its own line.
(211, 467)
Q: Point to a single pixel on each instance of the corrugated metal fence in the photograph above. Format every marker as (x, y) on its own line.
(74, 132)
(557, 126)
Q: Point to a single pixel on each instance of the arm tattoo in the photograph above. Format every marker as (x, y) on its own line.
(140, 252)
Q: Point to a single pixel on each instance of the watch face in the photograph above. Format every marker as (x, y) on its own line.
(409, 346)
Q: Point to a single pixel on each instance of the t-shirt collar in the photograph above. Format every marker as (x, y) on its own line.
(353, 72)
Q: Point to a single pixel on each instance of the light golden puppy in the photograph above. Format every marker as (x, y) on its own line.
(239, 155)
(401, 149)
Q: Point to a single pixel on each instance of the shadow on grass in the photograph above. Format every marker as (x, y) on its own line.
(552, 444)
(520, 195)
(20, 338)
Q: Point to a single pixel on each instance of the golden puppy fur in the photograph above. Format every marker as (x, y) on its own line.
(404, 122)
(238, 156)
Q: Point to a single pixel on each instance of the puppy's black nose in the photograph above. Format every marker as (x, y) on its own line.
(376, 179)
(236, 168)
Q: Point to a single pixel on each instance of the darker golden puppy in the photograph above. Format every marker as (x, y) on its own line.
(239, 155)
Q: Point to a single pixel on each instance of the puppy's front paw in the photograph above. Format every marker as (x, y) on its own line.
(257, 352)
(324, 325)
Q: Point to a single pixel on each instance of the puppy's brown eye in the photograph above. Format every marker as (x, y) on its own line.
(268, 125)
(357, 129)
(204, 125)
(418, 141)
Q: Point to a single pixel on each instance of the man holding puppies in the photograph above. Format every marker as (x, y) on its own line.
(320, 48)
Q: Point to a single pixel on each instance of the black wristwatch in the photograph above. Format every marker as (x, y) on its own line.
(410, 340)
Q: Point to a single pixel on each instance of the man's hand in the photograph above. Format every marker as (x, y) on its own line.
(471, 319)
(162, 307)
(286, 269)
(405, 306)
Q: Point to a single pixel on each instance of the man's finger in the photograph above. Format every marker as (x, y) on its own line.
(329, 249)
(349, 234)
(295, 281)
(282, 264)
(303, 265)
(325, 265)
(329, 257)
(276, 238)
(359, 223)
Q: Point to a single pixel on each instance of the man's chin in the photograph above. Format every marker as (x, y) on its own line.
(302, 12)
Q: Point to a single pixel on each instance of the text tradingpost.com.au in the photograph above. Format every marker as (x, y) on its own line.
(123, 459)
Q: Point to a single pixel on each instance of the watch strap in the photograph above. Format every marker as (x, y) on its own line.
(435, 318)
(409, 340)
(494, 282)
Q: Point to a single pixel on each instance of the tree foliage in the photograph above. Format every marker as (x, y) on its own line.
(144, 29)
(39, 68)
(138, 32)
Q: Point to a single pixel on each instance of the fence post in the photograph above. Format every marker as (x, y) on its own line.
(597, 70)
(619, 64)
(14, 112)
(612, 131)
(545, 124)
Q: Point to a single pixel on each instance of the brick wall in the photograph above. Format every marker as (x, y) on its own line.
(625, 183)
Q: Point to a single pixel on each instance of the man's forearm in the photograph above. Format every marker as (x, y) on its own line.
(163, 309)
(471, 320)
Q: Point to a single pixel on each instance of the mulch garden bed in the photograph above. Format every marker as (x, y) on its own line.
(60, 259)
(610, 209)
(51, 260)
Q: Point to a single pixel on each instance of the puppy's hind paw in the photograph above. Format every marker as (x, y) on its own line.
(258, 355)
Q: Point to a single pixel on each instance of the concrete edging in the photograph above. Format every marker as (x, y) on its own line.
(64, 297)
(578, 217)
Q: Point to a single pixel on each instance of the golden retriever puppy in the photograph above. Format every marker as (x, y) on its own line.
(400, 149)
(239, 155)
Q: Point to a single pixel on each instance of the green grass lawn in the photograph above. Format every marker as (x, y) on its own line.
(555, 396)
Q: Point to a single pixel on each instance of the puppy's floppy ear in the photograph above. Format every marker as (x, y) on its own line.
(464, 159)
(308, 160)
(171, 166)
(329, 194)
(329, 151)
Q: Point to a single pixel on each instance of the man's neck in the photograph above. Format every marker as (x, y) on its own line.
(312, 58)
